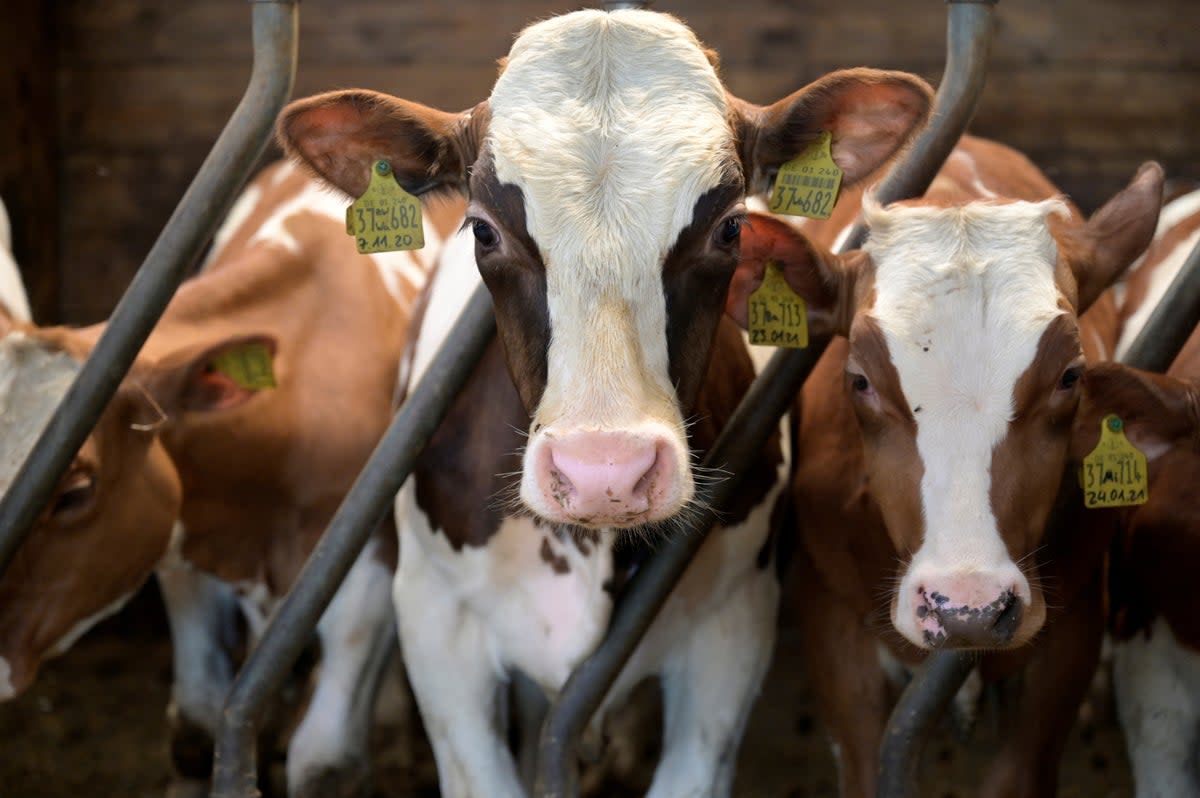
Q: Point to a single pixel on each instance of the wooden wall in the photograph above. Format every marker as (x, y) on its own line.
(1089, 88)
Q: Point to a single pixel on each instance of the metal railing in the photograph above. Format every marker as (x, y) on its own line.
(190, 227)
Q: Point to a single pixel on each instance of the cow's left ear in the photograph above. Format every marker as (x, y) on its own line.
(1157, 411)
(341, 134)
(212, 376)
(1099, 251)
(825, 281)
(870, 114)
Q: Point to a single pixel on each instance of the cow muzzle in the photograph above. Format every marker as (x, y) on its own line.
(963, 610)
(604, 478)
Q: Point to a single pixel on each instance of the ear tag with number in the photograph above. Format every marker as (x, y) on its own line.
(386, 218)
(249, 365)
(776, 315)
(808, 184)
(1114, 474)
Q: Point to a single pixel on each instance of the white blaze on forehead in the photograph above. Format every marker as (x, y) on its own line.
(963, 296)
(613, 125)
(33, 380)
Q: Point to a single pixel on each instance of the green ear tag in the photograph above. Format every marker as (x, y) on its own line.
(1114, 474)
(776, 315)
(249, 365)
(808, 184)
(386, 218)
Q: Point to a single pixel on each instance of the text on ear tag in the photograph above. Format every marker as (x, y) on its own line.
(386, 218)
(250, 365)
(1114, 473)
(808, 184)
(776, 315)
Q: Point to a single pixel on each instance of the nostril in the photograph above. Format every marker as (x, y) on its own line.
(1008, 616)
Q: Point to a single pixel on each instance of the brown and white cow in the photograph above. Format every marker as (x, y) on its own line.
(933, 440)
(607, 173)
(1153, 601)
(245, 478)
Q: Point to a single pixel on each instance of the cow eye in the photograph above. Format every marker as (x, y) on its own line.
(485, 234)
(729, 231)
(859, 383)
(1069, 378)
(75, 496)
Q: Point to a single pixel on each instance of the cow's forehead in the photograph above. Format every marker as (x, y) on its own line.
(613, 125)
(33, 380)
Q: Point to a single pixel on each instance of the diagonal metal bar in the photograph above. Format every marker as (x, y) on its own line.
(969, 35)
(369, 499)
(192, 224)
(1172, 321)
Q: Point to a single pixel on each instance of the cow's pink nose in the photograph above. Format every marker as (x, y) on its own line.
(968, 611)
(608, 478)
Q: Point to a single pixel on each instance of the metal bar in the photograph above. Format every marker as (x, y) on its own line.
(192, 224)
(369, 499)
(919, 708)
(1172, 321)
(969, 34)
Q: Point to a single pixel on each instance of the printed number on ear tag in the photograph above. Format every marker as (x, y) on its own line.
(776, 315)
(808, 184)
(249, 365)
(386, 218)
(1114, 474)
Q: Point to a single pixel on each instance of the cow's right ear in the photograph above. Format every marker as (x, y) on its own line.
(1157, 411)
(211, 376)
(341, 134)
(826, 282)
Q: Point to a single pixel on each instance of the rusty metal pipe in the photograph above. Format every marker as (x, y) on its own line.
(969, 30)
(190, 227)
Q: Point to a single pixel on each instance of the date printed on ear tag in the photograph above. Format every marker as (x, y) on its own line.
(249, 365)
(386, 218)
(808, 184)
(1114, 473)
(776, 315)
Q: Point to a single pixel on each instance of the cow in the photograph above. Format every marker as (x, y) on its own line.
(12, 289)
(933, 441)
(606, 174)
(223, 485)
(1156, 545)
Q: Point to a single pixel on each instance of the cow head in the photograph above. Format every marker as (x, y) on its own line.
(606, 175)
(964, 373)
(106, 525)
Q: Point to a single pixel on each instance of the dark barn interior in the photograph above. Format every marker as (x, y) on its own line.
(112, 107)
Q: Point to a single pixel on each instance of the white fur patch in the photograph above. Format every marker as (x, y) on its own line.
(12, 288)
(77, 631)
(613, 126)
(1173, 213)
(963, 298)
(315, 198)
(243, 206)
(7, 690)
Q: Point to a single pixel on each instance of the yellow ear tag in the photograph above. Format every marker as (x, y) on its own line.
(776, 315)
(1114, 474)
(386, 218)
(249, 365)
(808, 184)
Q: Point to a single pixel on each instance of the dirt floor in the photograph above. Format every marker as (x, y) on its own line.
(93, 726)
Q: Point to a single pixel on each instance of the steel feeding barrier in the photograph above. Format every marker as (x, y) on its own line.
(969, 29)
(190, 227)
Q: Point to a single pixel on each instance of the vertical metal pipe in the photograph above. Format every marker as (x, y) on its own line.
(1172, 321)
(369, 499)
(189, 228)
(969, 35)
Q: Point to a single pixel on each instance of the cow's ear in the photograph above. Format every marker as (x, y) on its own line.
(212, 376)
(1099, 251)
(826, 282)
(341, 134)
(1157, 411)
(871, 114)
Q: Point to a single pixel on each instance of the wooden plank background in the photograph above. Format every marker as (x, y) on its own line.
(1088, 88)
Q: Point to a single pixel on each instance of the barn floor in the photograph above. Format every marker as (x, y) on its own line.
(93, 726)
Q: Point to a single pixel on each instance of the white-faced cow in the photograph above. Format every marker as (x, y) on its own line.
(241, 480)
(607, 173)
(1153, 602)
(933, 441)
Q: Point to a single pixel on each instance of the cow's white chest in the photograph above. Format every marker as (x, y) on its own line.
(530, 614)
